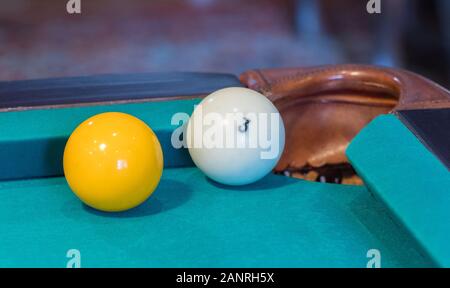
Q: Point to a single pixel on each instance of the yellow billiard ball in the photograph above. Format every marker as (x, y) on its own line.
(113, 161)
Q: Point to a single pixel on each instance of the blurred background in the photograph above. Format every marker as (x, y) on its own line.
(39, 39)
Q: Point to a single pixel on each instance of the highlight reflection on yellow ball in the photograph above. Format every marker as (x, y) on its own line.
(113, 161)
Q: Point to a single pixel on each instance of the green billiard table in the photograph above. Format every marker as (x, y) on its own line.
(189, 221)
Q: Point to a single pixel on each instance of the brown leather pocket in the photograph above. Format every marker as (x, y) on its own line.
(324, 107)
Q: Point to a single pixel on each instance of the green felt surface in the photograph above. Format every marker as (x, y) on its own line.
(189, 221)
(192, 222)
(409, 179)
(32, 142)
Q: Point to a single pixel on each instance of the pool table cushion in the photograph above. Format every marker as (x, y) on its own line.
(408, 177)
(37, 116)
(32, 141)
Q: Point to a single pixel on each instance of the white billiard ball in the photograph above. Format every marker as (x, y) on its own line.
(235, 136)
